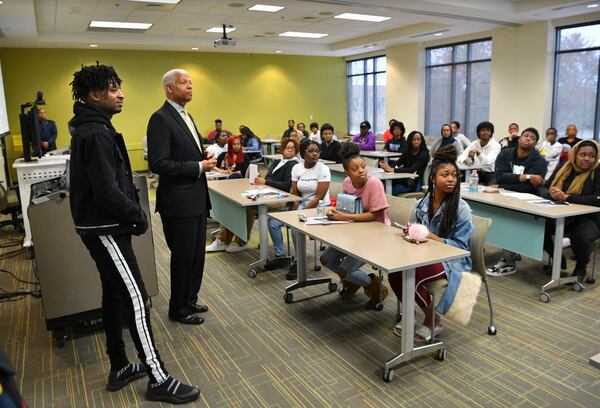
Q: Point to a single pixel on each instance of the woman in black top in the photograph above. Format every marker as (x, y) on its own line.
(415, 159)
(330, 149)
(576, 181)
(397, 143)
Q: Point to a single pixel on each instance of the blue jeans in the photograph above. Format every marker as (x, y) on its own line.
(335, 259)
(404, 186)
(277, 235)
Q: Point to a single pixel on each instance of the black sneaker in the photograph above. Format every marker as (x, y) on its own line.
(127, 374)
(172, 391)
(276, 263)
(292, 274)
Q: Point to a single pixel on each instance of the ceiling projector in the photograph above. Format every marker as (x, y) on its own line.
(225, 41)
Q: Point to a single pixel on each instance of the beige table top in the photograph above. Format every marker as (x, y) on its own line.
(379, 153)
(554, 212)
(278, 156)
(377, 173)
(270, 141)
(233, 189)
(389, 251)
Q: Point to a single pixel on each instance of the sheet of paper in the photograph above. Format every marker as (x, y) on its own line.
(520, 196)
(323, 221)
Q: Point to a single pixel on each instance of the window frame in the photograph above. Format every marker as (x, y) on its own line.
(364, 74)
(557, 53)
(467, 62)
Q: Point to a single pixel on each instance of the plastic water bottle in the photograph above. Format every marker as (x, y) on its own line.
(320, 209)
(473, 182)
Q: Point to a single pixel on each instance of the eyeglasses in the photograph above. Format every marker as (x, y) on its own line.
(313, 151)
(290, 148)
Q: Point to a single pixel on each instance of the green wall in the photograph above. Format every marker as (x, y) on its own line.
(260, 91)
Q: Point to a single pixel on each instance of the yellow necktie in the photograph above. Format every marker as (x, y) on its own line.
(190, 125)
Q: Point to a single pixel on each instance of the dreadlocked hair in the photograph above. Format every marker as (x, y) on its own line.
(93, 78)
(349, 152)
(443, 156)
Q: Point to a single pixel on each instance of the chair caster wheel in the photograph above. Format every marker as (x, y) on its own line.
(317, 268)
(398, 318)
(544, 297)
(332, 287)
(591, 280)
(578, 287)
(441, 354)
(388, 375)
(492, 330)
(252, 273)
(288, 297)
(379, 307)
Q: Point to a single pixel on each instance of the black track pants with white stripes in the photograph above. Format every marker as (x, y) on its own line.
(124, 296)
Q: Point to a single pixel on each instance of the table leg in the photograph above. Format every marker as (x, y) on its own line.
(556, 280)
(407, 345)
(263, 228)
(388, 187)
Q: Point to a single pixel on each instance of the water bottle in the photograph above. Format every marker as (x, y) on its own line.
(320, 209)
(473, 182)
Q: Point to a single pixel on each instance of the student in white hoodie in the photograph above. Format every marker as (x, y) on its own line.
(551, 150)
(482, 153)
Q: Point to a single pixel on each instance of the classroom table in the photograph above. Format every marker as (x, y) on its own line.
(392, 254)
(279, 156)
(519, 226)
(380, 154)
(269, 145)
(229, 209)
(215, 175)
(337, 175)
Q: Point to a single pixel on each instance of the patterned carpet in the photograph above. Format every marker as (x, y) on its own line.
(256, 351)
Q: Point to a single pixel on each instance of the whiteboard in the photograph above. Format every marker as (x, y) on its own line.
(3, 114)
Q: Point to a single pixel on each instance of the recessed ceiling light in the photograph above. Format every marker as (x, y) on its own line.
(298, 34)
(278, 51)
(194, 48)
(220, 30)
(266, 7)
(158, 1)
(93, 45)
(362, 17)
(592, 5)
(120, 24)
(1, 3)
(438, 34)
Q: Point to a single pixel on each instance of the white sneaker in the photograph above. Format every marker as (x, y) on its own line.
(235, 247)
(502, 268)
(217, 245)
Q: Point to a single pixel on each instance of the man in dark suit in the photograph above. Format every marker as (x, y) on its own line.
(176, 154)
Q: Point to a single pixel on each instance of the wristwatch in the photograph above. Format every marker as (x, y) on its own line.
(528, 177)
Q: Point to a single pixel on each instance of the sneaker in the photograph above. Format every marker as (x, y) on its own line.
(217, 245)
(292, 273)
(501, 269)
(172, 391)
(235, 247)
(371, 291)
(277, 263)
(127, 374)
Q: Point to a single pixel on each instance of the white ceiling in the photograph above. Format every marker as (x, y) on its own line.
(64, 23)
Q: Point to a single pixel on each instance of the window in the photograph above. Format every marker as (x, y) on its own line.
(366, 93)
(457, 86)
(576, 85)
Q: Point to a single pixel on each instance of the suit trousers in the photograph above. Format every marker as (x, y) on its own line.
(186, 238)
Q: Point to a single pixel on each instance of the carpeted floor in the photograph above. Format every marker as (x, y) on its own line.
(256, 351)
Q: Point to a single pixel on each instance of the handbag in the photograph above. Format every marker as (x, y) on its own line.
(348, 204)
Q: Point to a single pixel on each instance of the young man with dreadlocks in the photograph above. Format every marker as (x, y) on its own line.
(106, 212)
(448, 218)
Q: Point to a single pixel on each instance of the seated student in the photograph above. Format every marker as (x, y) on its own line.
(302, 129)
(448, 218)
(519, 169)
(462, 139)
(314, 134)
(397, 143)
(576, 181)
(551, 150)
(234, 161)
(293, 135)
(375, 208)
(512, 140)
(387, 135)
(330, 148)
(291, 126)
(365, 138)
(446, 139)
(220, 145)
(210, 138)
(310, 180)
(482, 152)
(251, 142)
(570, 137)
(414, 160)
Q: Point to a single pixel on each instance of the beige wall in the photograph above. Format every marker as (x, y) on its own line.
(521, 79)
